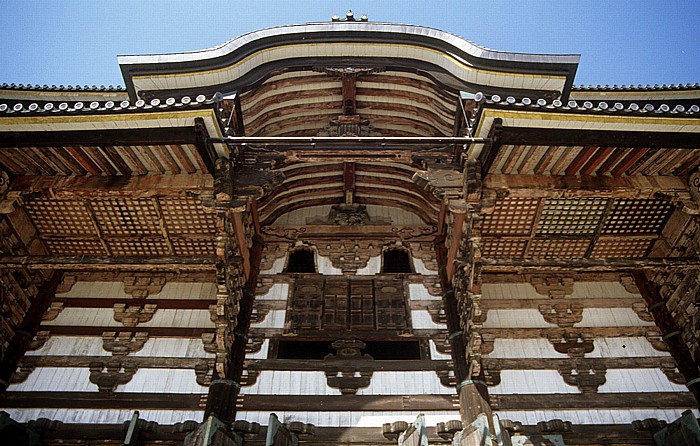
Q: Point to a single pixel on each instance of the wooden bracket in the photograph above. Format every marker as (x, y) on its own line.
(587, 379)
(123, 343)
(53, 311)
(140, 286)
(561, 313)
(132, 315)
(574, 344)
(108, 375)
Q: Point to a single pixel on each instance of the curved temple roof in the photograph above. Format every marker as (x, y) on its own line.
(451, 61)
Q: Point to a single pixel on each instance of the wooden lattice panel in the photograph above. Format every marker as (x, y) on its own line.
(620, 247)
(138, 247)
(562, 216)
(629, 216)
(60, 217)
(511, 216)
(75, 247)
(195, 247)
(558, 249)
(126, 217)
(502, 248)
(187, 216)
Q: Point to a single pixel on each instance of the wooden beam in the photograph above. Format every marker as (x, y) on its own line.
(157, 332)
(650, 362)
(573, 401)
(521, 265)
(602, 138)
(316, 364)
(163, 304)
(596, 332)
(136, 361)
(103, 263)
(139, 186)
(120, 137)
(345, 403)
(97, 400)
(577, 186)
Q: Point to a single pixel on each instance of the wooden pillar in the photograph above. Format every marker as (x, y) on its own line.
(473, 401)
(223, 392)
(472, 391)
(670, 332)
(26, 330)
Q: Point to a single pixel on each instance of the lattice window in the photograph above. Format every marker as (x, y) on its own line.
(558, 249)
(75, 247)
(138, 247)
(511, 216)
(335, 300)
(187, 216)
(60, 217)
(307, 304)
(342, 304)
(195, 246)
(563, 216)
(621, 248)
(637, 216)
(361, 305)
(391, 305)
(124, 217)
(502, 248)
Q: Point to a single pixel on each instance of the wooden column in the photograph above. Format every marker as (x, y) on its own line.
(26, 330)
(670, 331)
(471, 388)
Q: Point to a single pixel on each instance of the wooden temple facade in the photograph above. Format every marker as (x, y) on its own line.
(349, 224)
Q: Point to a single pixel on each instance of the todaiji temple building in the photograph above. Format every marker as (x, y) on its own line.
(349, 233)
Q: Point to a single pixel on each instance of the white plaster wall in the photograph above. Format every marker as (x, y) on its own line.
(71, 346)
(421, 320)
(611, 317)
(104, 317)
(531, 381)
(56, 379)
(262, 354)
(171, 290)
(610, 416)
(420, 268)
(518, 318)
(524, 348)
(418, 291)
(406, 383)
(287, 382)
(277, 267)
(509, 291)
(105, 416)
(163, 380)
(600, 289)
(325, 266)
(174, 348)
(278, 291)
(436, 355)
(347, 419)
(638, 380)
(623, 347)
(274, 319)
(374, 266)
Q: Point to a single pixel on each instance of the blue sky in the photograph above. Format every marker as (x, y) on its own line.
(75, 42)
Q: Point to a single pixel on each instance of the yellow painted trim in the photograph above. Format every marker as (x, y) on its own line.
(119, 117)
(570, 117)
(360, 46)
